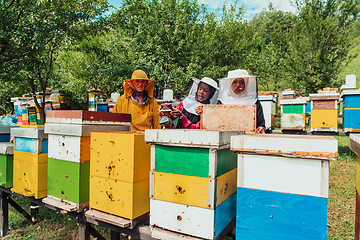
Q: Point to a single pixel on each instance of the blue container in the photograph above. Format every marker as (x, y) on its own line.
(5, 137)
(102, 107)
(352, 119)
(351, 101)
(31, 145)
(308, 108)
(275, 215)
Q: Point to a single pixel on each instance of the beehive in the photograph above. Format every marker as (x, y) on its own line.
(237, 117)
(293, 114)
(282, 186)
(192, 181)
(351, 107)
(268, 104)
(324, 112)
(69, 156)
(30, 161)
(119, 173)
(6, 164)
(5, 133)
(355, 147)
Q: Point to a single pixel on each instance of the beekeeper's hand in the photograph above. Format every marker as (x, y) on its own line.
(199, 110)
(260, 130)
(176, 113)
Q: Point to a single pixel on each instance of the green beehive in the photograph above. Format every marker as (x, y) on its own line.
(6, 164)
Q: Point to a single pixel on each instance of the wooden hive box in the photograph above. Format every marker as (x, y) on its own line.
(30, 161)
(293, 114)
(283, 186)
(119, 174)
(192, 181)
(30, 174)
(236, 117)
(355, 147)
(324, 112)
(351, 110)
(69, 162)
(268, 104)
(6, 164)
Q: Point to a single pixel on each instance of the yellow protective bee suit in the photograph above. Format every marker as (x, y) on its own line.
(143, 115)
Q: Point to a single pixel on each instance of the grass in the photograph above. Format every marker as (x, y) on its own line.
(341, 207)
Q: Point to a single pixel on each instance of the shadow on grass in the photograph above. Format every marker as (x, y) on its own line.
(345, 153)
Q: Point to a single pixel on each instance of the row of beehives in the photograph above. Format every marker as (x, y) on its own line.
(322, 107)
(197, 185)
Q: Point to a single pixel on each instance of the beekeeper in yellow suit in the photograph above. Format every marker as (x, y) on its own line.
(138, 101)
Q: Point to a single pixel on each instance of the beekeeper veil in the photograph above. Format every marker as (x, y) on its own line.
(238, 88)
(191, 101)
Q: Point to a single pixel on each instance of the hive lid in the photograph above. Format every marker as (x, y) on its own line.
(323, 147)
(7, 148)
(6, 129)
(87, 117)
(324, 96)
(28, 132)
(190, 137)
(355, 143)
(83, 129)
(350, 92)
(293, 101)
(267, 98)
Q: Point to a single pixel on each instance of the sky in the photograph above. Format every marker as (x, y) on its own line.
(252, 7)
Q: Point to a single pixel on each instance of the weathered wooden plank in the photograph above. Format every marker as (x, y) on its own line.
(304, 146)
(273, 215)
(117, 221)
(229, 117)
(86, 117)
(65, 205)
(288, 175)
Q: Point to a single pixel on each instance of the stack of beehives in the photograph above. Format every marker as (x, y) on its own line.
(192, 182)
(30, 160)
(119, 175)
(69, 152)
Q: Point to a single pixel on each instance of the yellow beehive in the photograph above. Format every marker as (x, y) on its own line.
(119, 173)
(324, 118)
(30, 174)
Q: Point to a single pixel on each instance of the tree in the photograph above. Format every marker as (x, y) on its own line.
(320, 43)
(32, 31)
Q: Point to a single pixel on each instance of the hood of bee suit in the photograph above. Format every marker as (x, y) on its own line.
(139, 74)
(190, 102)
(247, 96)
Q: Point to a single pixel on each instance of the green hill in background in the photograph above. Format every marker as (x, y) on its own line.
(354, 66)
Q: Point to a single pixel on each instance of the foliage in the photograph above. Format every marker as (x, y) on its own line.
(32, 31)
(320, 43)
